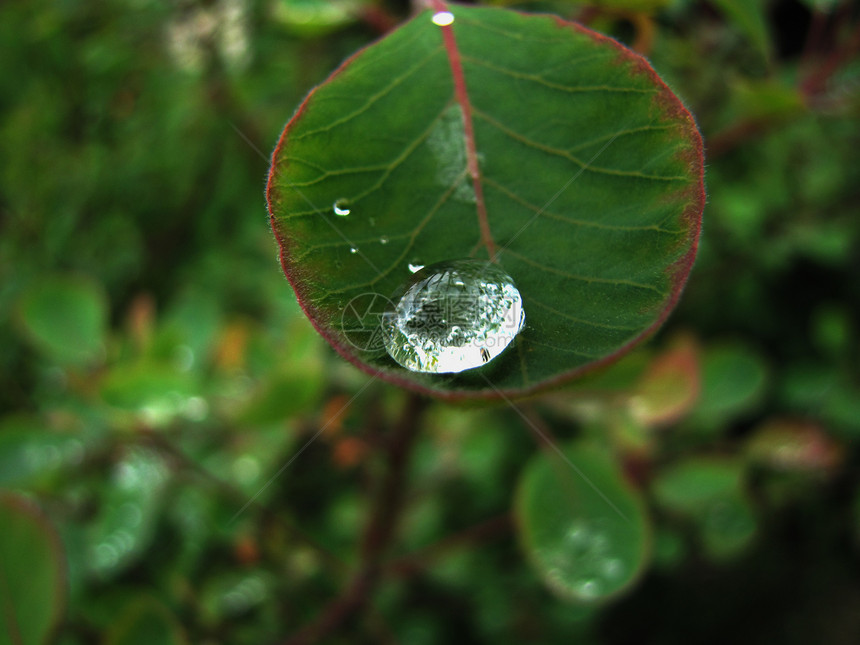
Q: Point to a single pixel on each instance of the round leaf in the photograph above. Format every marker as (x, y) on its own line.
(710, 492)
(32, 574)
(582, 525)
(534, 142)
(65, 319)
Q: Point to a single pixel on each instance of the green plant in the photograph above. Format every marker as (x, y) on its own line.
(184, 459)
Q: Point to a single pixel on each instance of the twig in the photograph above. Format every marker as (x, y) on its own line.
(380, 529)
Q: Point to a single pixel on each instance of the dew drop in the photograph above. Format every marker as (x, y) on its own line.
(588, 589)
(415, 268)
(383, 240)
(443, 18)
(453, 316)
(341, 208)
(352, 249)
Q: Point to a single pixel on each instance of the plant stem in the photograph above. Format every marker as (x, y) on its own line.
(385, 511)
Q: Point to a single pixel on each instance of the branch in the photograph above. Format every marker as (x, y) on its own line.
(380, 529)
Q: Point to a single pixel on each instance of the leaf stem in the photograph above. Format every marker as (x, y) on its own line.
(462, 95)
(385, 511)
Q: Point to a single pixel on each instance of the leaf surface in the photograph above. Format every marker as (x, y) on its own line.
(32, 574)
(582, 525)
(534, 142)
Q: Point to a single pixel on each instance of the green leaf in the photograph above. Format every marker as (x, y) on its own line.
(156, 391)
(145, 621)
(125, 524)
(30, 452)
(670, 386)
(734, 379)
(32, 574)
(589, 170)
(710, 492)
(313, 18)
(65, 319)
(581, 524)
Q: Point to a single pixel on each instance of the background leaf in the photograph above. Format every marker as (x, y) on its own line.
(590, 169)
(65, 319)
(32, 574)
(583, 527)
(144, 621)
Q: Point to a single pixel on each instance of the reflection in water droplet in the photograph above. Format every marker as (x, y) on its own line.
(352, 249)
(453, 316)
(415, 268)
(341, 208)
(383, 239)
(443, 18)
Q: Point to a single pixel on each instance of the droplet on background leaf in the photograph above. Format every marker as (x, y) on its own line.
(453, 316)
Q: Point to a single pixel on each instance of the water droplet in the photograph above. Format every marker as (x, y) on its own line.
(613, 568)
(415, 268)
(443, 18)
(588, 588)
(352, 249)
(383, 239)
(341, 208)
(372, 221)
(453, 316)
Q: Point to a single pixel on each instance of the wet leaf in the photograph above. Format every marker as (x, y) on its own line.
(583, 527)
(30, 451)
(32, 574)
(130, 509)
(589, 190)
(65, 318)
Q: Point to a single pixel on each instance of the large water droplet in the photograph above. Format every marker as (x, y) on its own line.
(453, 316)
(341, 208)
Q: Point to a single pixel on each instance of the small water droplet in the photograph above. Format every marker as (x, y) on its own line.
(453, 316)
(383, 239)
(415, 268)
(352, 249)
(341, 208)
(613, 568)
(372, 221)
(443, 18)
(588, 588)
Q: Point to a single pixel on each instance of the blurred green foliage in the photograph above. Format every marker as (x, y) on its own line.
(160, 389)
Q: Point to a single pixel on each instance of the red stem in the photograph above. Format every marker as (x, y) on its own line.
(462, 95)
